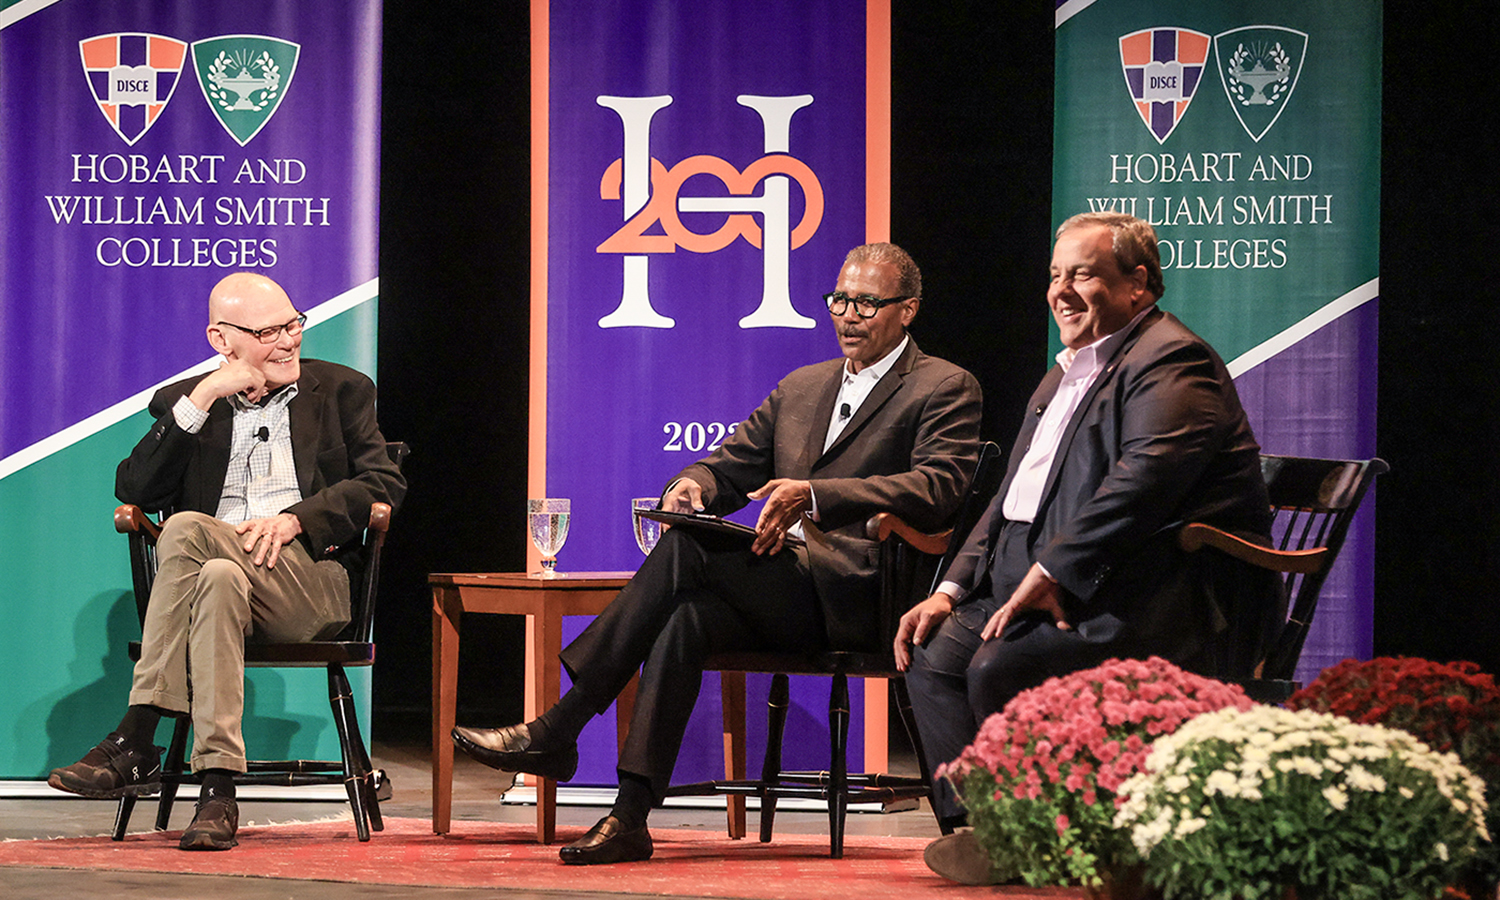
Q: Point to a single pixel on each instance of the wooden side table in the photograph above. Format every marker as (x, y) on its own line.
(544, 602)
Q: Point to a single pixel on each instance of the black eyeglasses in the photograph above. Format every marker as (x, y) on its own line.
(269, 335)
(864, 306)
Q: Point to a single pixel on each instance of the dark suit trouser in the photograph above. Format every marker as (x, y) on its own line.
(696, 594)
(957, 679)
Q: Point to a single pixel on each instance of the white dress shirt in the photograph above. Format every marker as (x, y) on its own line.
(1081, 368)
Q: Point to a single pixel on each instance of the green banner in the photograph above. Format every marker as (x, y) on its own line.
(1249, 136)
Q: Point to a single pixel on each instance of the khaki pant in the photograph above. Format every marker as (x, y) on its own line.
(208, 600)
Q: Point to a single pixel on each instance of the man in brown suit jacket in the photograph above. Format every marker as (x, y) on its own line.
(884, 428)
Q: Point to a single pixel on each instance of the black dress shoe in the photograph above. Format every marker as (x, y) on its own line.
(509, 748)
(606, 843)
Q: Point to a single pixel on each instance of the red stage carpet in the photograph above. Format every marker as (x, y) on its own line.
(506, 856)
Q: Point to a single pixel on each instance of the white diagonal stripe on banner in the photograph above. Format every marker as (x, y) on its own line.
(13, 14)
(131, 405)
(1350, 301)
(1070, 9)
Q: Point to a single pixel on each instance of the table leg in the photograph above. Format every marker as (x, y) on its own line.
(446, 611)
(546, 644)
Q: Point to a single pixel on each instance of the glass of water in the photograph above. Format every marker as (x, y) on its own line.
(647, 531)
(548, 519)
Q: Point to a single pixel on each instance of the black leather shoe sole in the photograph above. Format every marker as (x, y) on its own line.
(605, 843)
(558, 765)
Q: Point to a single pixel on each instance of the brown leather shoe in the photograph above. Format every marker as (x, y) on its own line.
(214, 825)
(606, 843)
(112, 770)
(960, 857)
(510, 749)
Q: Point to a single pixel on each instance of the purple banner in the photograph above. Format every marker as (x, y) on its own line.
(706, 177)
(148, 148)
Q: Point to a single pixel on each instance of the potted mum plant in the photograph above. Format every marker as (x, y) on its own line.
(1273, 803)
(1041, 778)
(1450, 707)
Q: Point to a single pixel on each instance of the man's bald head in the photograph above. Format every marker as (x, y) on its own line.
(251, 318)
(237, 289)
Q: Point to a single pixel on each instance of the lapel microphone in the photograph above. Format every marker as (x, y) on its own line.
(845, 412)
(264, 433)
(1041, 408)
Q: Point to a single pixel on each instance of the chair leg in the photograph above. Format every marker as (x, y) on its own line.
(172, 769)
(368, 782)
(838, 781)
(732, 694)
(362, 800)
(122, 818)
(770, 770)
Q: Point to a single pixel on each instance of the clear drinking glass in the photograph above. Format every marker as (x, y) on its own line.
(548, 519)
(647, 531)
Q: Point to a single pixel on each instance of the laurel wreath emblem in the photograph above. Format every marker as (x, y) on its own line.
(270, 73)
(1274, 60)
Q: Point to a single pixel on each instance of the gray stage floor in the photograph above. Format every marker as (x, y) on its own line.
(475, 798)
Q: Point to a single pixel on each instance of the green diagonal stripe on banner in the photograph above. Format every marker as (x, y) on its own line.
(16, 10)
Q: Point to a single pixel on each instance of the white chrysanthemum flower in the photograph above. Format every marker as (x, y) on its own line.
(1362, 779)
(1220, 782)
(1272, 756)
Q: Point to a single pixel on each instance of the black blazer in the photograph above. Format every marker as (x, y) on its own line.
(340, 456)
(1159, 440)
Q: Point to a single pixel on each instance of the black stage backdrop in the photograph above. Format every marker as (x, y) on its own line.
(971, 198)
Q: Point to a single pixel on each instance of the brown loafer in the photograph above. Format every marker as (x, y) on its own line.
(214, 824)
(960, 857)
(607, 843)
(112, 770)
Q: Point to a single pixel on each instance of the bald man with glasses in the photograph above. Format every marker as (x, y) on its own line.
(268, 467)
(884, 427)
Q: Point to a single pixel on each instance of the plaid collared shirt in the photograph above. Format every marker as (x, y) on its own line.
(262, 478)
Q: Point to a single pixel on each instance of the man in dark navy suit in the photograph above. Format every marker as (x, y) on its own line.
(1137, 430)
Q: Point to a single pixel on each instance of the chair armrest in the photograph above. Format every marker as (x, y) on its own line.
(380, 516)
(1196, 534)
(882, 525)
(129, 519)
